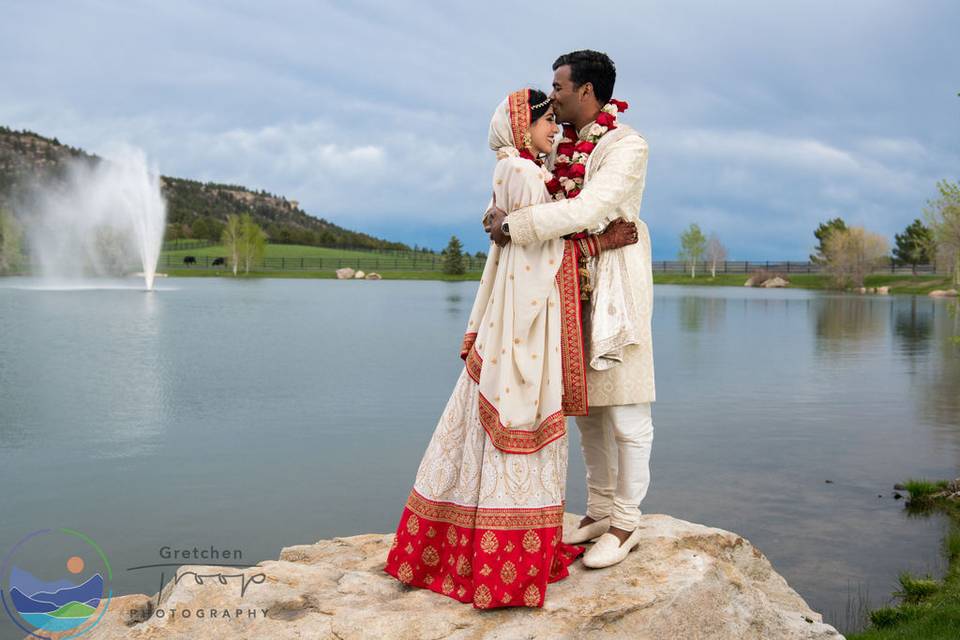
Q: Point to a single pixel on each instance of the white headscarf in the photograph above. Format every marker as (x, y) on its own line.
(501, 135)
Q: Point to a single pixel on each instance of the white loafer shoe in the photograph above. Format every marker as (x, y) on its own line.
(608, 551)
(587, 532)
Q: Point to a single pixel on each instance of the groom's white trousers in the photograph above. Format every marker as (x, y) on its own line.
(616, 442)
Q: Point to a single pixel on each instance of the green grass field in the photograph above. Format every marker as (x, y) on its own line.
(287, 258)
(922, 284)
(417, 266)
(286, 251)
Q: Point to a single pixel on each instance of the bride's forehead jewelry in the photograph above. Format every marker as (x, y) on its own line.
(537, 106)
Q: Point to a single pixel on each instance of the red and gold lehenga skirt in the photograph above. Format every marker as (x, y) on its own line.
(483, 523)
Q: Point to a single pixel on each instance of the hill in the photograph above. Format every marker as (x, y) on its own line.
(194, 209)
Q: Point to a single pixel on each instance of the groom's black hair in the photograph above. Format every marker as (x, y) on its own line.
(593, 67)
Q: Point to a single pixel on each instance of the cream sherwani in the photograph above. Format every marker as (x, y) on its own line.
(613, 188)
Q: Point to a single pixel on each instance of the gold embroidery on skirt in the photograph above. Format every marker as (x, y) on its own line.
(531, 597)
(481, 597)
(489, 542)
(413, 524)
(405, 573)
(430, 556)
(531, 541)
(463, 566)
(508, 572)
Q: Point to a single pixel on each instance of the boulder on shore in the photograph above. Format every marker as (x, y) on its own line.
(346, 273)
(774, 282)
(373, 275)
(685, 580)
(943, 293)
(359, 275)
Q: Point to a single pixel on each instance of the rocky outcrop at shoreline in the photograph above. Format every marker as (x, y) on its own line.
(685, 580)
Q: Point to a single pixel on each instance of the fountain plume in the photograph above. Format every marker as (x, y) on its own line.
(100, 219)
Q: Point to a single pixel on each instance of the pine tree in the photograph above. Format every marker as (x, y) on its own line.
(453, 257)
(822, 233)
(914, 245)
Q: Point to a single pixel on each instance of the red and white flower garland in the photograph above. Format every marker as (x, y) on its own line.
(569, 168)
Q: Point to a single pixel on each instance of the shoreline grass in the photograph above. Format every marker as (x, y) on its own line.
(929, 609)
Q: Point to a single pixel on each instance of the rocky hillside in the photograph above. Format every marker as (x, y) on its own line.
(195, 209)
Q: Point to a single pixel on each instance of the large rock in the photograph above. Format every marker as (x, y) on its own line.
(346, 273)
(774, 282)
(684, 581)
(943, 293)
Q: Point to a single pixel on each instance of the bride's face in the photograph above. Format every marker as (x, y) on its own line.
(543, 131)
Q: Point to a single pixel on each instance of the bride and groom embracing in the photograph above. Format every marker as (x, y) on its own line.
(560, 327)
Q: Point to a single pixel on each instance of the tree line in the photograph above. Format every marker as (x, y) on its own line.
(848, 254)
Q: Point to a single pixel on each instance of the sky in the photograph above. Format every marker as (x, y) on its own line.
(763, 118)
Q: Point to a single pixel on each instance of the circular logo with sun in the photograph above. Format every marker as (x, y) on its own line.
(53, 581)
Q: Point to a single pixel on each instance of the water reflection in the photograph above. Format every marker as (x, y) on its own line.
(455, 304)
(913, 325)
(846, 323)
(938, 381)
(702, 314)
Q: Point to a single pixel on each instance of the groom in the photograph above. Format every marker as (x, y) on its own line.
(617, 435)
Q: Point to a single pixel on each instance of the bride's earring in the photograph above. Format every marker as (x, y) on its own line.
(528, 140)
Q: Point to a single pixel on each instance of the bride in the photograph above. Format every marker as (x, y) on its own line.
(484, 519)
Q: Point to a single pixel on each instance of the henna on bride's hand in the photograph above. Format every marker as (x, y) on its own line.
(618, 233)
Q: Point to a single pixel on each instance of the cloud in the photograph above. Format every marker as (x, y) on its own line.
(762, 120)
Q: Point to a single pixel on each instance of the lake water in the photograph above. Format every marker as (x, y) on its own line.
(258, 414)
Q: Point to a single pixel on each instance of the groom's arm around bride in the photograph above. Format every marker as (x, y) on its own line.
(617, 179)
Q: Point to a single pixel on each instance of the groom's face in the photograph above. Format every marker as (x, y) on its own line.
(566, 98)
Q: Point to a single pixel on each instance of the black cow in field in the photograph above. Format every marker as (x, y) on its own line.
(219, 262)
(188, 260)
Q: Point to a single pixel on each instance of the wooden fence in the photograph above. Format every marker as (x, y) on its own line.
(415, 261)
